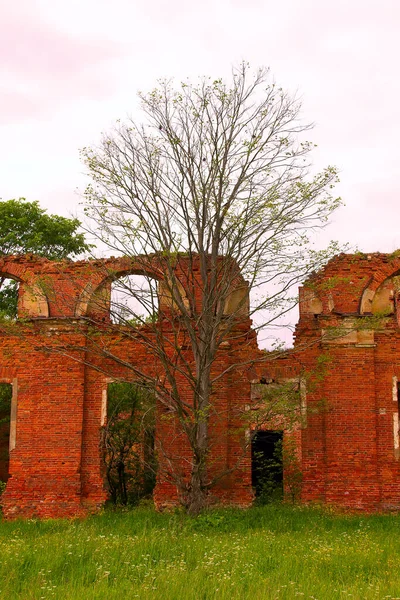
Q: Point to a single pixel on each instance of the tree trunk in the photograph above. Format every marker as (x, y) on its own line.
(198, 491)
(197, 496)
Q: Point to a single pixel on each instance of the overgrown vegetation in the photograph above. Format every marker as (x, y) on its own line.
(129, 442)
(277, 477)
(271, 552)
(268, 474)
(5, 413)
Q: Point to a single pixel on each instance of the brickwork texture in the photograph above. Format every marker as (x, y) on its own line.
(346, 358)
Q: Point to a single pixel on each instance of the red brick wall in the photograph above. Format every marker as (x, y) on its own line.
(346, 353)
(348, 455)
(53, 354)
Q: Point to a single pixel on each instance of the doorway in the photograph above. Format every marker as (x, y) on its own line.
(267, 465)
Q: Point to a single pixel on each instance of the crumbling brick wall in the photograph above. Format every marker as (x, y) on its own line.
(346, 358)
(348, 340)
(51, 355)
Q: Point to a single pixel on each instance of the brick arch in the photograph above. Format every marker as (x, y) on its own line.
(382, 273)
(32, 301)
(156, 266)
(113, 269)
(10, 273)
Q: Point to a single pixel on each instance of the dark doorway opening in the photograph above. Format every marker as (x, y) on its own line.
(267, 466)
(5, 414)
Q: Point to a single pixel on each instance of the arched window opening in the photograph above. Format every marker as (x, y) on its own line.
(8, 298)
(128, 450)
(134, 300)
(6, 393)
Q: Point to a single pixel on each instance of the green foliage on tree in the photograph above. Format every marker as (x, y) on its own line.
(25, 228)
(129, 442)
(8, 298)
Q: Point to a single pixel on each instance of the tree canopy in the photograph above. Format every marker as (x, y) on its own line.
(26, 227)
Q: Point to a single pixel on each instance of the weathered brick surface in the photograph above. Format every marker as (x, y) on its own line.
(348, 447)
(346, 355)
(57, 354)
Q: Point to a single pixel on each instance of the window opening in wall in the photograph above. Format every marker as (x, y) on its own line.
(128, 451)
(5, 418)
(134, 300)
(267, 467)
(8, 298)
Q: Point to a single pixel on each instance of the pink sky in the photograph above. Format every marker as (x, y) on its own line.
(69, 69)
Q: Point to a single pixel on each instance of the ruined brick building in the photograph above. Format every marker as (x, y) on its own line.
(346, 359)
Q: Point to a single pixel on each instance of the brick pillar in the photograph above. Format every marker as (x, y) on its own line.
(45, 464)
(351, 449)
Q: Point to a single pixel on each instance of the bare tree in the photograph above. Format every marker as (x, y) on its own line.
(220, 175)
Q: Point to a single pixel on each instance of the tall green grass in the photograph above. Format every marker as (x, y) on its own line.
(267, 552)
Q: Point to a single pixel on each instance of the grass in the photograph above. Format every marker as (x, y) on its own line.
(266, 552)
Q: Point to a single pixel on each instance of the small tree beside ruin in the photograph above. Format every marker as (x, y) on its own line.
(218, 174)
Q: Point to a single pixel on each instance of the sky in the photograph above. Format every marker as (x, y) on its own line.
(70, 69)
